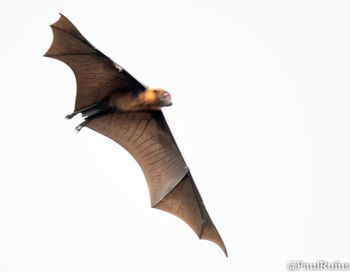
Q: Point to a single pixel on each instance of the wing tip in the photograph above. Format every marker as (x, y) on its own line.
(219, 244)
(185, 202)
(54, 25)
(62, 18)
(210, 233)
(62, 24)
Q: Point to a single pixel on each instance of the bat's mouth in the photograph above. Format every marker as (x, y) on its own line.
(164, 103)
(169, 104)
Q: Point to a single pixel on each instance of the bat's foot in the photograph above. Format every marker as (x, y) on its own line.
(97, 112)
(78, 128)
(83, 124)
(70, 116)
(91, 112)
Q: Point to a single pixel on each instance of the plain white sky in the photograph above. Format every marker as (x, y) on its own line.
(261, 93)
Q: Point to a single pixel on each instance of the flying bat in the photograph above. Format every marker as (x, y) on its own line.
(118, 106)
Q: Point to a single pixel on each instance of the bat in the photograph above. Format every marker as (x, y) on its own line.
(115, 104)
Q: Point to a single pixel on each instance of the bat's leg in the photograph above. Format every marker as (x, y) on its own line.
(83, 110)
(83, 124)
(86, 121)
(97, 113)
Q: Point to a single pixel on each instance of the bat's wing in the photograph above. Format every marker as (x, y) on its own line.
(144, 134)
(147, 137)
(97, 76)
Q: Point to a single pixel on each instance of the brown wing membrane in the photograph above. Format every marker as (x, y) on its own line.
(97, 76)
(147, 137)
(144, 134)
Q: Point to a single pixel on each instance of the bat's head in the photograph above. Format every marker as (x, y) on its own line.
(158, 97)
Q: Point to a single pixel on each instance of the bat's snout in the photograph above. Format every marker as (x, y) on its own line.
(166, 97)
(163, 98)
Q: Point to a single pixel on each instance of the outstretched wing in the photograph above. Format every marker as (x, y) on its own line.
(144, 134)
(97, 76)
(147, 137)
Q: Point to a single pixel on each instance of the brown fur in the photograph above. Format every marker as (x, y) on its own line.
(149, 99)
(131, 102)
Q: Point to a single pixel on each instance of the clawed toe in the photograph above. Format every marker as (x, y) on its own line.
(69, 116)
(78, 128)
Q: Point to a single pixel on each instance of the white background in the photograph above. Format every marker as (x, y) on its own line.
(261, 115)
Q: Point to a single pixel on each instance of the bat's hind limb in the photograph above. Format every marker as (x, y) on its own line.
(94, 114)
(83, 110)
(90, 112)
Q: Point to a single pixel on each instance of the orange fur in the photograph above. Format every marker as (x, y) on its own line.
(128, 102)
(149, 95)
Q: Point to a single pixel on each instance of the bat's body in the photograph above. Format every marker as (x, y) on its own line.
(119, 107)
